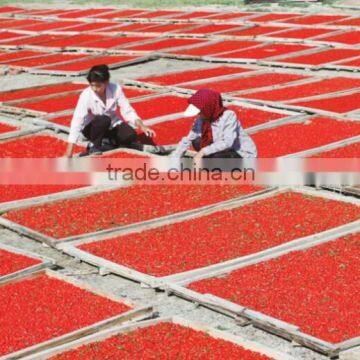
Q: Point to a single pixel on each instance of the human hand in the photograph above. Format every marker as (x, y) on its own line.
(199, 155)
(69, 151)
(148, 131)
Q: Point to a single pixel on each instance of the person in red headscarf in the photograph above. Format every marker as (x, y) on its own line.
(216, 132)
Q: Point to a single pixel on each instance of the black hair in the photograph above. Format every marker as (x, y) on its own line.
(98, 73)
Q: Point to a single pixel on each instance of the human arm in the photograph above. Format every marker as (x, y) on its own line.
(186, 141)
(69, 150)
(79, 116)
(130, 115)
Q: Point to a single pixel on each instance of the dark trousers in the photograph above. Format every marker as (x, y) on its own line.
(99, 128)
(227, 154)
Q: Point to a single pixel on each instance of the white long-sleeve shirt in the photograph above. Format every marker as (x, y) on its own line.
(89, 105)
(227, 133)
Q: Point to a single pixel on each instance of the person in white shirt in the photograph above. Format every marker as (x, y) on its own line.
(96, 116)
(216, 132)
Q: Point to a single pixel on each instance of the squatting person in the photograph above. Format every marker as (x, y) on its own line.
(216, 131)
(96, 115)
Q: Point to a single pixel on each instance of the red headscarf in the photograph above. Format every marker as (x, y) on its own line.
(210, 103)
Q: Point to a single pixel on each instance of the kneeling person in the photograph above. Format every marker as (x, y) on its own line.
(216, 132)
(96, 118)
